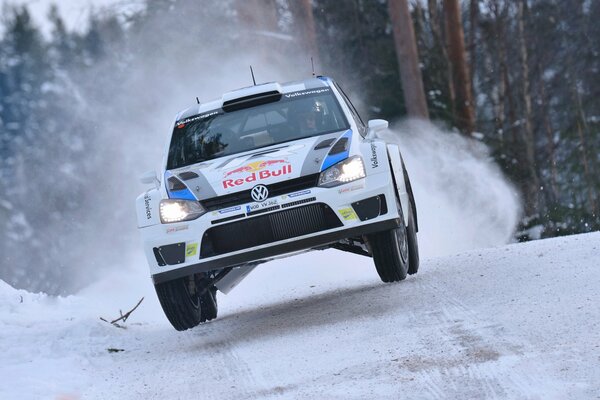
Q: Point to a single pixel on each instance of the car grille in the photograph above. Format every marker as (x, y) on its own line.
(275, 189)
(268, 228)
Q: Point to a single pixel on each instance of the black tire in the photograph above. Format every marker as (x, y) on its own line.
(180, 303)
(413, 244)
(390, 252)
(208, 305)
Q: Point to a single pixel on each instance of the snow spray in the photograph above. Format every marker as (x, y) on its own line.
(463, 200)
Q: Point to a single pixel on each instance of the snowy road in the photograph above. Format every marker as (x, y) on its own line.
(521, 321)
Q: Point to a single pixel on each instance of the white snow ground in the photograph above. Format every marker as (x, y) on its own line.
(521, 321)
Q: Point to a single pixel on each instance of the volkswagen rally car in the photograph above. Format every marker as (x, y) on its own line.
(265, 172)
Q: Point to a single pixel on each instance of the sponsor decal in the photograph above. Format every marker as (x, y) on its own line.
(254, 166)
(227, 210)
(351, 188)
(374, 161)
(147, 200)
(257, 176)
(173, 229)
(301, 193)
(181, 124)
(191, 249)
(262, 204)
(307, 92)
(348, 214)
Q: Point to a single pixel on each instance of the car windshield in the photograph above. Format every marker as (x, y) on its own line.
(218, 133)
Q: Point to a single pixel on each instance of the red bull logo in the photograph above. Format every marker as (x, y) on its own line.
(257, 172)
(254, 166)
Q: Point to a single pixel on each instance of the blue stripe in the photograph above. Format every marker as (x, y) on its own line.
(183, 194)
(336, 158)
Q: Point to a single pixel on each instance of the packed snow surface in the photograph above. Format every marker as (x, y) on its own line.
(521, 321)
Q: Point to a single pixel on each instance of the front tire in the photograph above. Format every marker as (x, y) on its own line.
(183, 306)
(390, 252)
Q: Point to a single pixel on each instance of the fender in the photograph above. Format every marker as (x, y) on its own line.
(410, 195)
(147, 208)
(398, 172)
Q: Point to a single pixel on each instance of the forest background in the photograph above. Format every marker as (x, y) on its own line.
(84, 111)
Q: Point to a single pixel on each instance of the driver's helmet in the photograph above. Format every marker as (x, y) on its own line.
(308, 115)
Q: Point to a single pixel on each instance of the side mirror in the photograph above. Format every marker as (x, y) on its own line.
(375, 126)
(149, 177)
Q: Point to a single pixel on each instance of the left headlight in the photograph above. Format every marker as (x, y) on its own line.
(173, 210)
(345, 171)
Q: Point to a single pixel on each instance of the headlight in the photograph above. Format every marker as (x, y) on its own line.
(345, 171)
(173, 210)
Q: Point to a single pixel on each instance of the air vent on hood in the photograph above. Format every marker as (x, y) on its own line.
(176, 184)
(339, 147)
(186, 176)
(324, 144)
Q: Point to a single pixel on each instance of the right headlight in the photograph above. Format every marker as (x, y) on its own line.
(345, 171)
(174, 210)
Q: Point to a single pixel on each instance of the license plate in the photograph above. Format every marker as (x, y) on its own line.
(261, 205)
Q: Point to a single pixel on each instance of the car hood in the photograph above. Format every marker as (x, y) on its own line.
(265, 166)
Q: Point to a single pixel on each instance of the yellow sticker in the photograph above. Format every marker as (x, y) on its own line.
(348, 214)
(191, 249)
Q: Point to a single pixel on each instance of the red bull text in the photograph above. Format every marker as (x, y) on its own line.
(254, 166)
(259, 175)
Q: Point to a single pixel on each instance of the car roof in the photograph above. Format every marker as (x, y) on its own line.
(287, 87)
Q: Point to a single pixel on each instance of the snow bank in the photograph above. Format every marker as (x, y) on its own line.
(463, 200)
(516, 322)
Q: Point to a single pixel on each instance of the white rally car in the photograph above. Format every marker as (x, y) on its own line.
(266, 172)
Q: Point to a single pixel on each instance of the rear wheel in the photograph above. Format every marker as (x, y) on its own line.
(183, 306)
(391, 251)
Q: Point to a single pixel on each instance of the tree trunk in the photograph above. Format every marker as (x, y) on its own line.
(408, 59)
(259, 18)
(432, 7)
(523, 167)
(588, 169)
(499, 97)
(465, 113)
(550, 147)
(474, 21)
(527, 130)
(310, 34)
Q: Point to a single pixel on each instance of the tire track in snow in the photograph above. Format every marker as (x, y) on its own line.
(474, 350)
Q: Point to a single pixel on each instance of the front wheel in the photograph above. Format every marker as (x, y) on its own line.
(390, 252)
(183, 306)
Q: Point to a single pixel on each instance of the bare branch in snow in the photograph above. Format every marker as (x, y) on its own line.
(123, 317)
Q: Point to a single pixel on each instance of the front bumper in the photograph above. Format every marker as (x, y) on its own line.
(198, 247)
(276, 250)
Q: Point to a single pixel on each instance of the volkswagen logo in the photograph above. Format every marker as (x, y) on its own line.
(259, 193)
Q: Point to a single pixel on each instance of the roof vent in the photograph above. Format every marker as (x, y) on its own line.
(251, 96)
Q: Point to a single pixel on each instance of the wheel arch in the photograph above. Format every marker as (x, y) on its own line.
(410, 194)
(398, 175)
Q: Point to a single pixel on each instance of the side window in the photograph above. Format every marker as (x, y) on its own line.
(359, 122)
